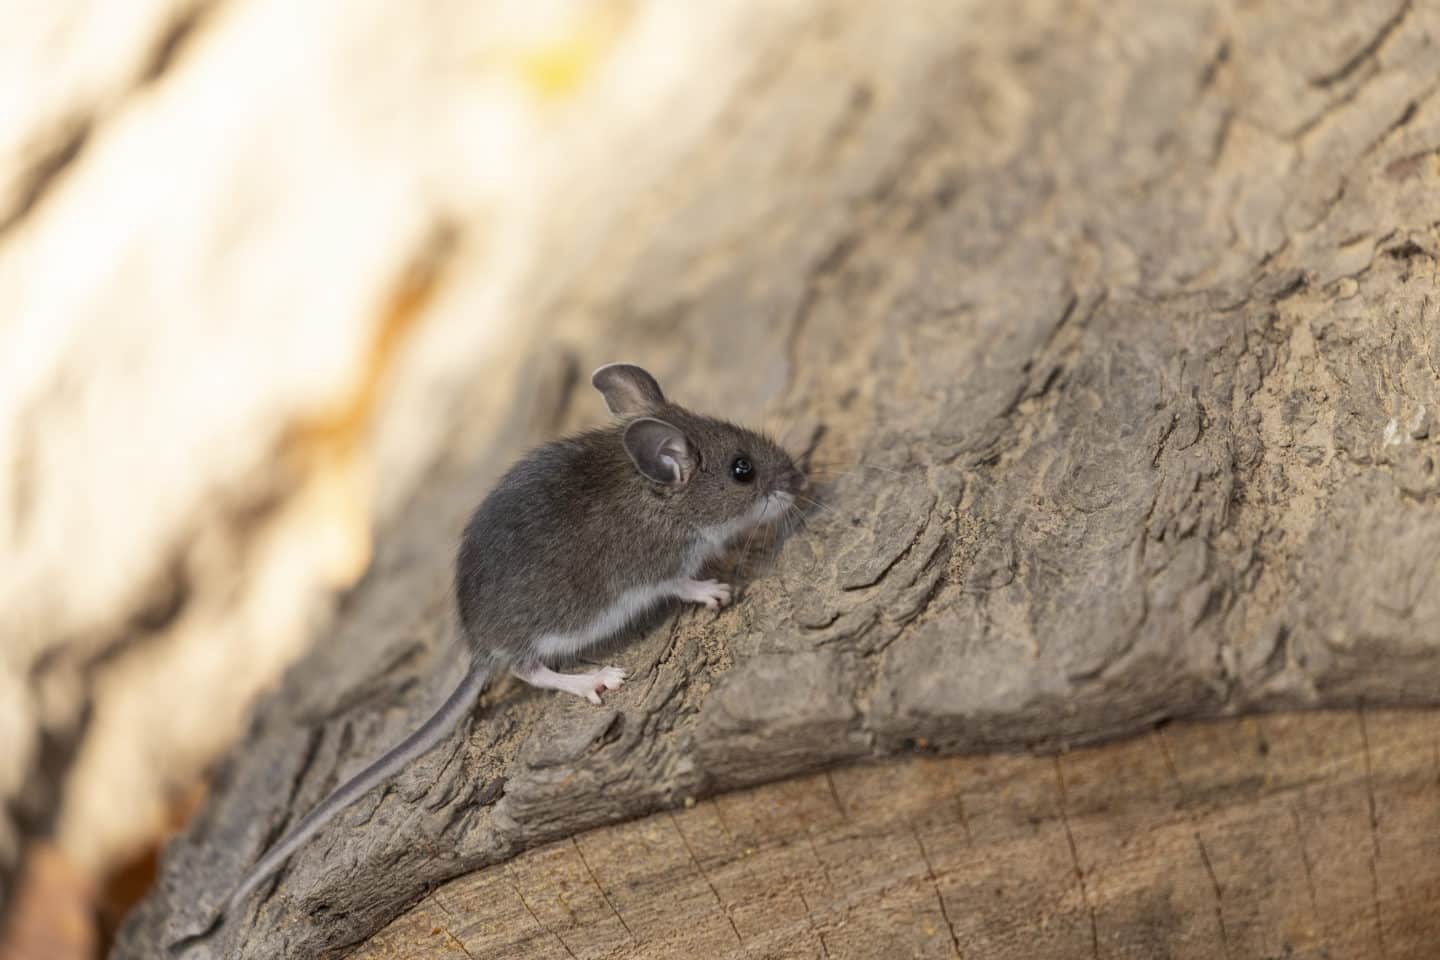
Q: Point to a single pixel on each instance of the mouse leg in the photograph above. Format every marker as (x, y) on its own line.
(588, 685)
(712, 593)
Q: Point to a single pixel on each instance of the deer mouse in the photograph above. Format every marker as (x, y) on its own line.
(578, 539)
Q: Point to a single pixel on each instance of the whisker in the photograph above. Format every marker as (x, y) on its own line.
(863, 466)
(816, 503)
(795, 517)
(792, 525)
(800, 524)
(745, 550)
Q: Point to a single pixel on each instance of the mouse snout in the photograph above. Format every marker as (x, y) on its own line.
(790, 480)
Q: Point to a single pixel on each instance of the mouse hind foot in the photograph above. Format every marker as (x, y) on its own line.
(588, 685)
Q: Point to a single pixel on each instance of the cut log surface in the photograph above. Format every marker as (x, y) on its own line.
(1295, 836)
(1110, 330)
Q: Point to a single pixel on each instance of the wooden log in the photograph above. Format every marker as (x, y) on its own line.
(1295, 836)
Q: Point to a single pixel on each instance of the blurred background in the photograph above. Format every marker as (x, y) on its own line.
(262, 265)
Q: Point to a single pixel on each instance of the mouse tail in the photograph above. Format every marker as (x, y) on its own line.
(430, 735)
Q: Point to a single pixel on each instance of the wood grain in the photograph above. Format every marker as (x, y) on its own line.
(1296, 835)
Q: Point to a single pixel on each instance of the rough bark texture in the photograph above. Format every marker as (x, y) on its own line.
(1129, 314)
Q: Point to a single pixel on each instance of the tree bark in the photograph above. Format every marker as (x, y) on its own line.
(1110, 334)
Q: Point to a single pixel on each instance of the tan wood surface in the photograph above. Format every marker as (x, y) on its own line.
(1277, 836)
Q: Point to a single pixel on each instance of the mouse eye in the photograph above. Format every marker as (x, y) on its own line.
(742, 470)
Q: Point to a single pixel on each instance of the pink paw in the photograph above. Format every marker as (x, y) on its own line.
(712, 593)
(606, 678)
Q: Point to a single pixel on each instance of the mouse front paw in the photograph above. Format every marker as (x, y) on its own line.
(712, 593)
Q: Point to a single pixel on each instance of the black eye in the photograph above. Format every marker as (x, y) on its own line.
(742, 470)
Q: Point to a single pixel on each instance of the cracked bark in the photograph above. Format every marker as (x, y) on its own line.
(1142, 429)
(1075, 859)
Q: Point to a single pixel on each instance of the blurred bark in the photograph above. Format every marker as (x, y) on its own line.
(1110, 331)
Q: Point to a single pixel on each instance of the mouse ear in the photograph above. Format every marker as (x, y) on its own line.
(660, 451)
(627, 388)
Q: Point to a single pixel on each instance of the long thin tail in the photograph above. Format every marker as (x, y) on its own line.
(451, 712)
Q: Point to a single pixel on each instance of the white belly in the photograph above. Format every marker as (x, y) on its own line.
(627, 608)
(637, 601)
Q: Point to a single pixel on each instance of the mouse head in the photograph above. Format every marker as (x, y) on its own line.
(726, 477)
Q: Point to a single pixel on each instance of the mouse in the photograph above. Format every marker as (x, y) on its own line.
(580, 538)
